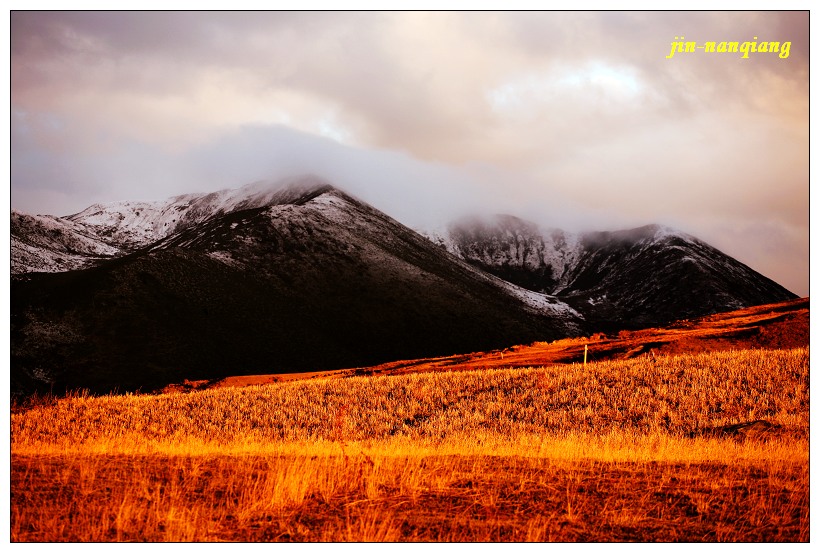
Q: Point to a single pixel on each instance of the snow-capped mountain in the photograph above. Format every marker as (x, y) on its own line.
(45, 243)
(315, 279)
(624, 279)
(130, 225)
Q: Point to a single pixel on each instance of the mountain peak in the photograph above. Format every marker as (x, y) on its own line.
(647, 233)
(134, 224)
(658, 232)
(296, 186)
(488, 223)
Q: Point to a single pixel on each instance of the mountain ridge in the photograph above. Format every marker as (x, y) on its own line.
(323, 282)
(299, 275)
(645, 276)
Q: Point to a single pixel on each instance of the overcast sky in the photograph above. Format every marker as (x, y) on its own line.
(576, 120)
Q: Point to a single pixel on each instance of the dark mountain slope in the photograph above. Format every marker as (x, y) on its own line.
(320, 282)
(651, 276)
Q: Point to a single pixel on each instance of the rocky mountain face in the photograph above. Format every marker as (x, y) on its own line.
(513, 249)
(312, 279)
(627, 279)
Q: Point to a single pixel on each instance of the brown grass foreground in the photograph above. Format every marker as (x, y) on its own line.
(617, 451)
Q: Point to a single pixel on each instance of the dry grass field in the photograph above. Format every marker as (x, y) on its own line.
(783, 325)
(643, 449)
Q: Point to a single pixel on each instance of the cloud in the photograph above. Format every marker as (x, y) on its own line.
(577, 119)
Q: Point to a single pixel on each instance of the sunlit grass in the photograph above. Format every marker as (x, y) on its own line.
(615, 450)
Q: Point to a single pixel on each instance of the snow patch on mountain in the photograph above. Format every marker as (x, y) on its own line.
(130, 224)
(333, 207)
(546, 304)
(224, 257)
(133, 224)
(507, 245)
(663, 233)
(44, 243)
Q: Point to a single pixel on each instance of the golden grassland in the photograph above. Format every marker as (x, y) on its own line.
(614, 451)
